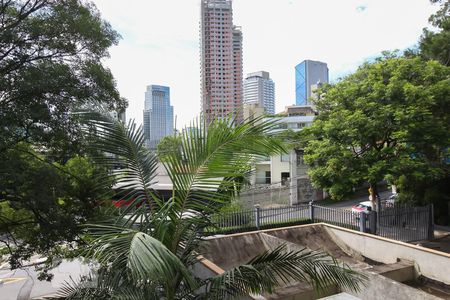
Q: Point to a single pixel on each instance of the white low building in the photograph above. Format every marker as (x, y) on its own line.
(287, 170)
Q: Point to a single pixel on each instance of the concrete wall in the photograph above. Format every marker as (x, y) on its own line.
(380, 287)
(278, 166)
(260, 173)
(346, 245)
(429, 263)
(233, 250)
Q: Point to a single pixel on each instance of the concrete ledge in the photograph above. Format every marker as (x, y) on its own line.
(210, 265)
(436, 252)
(427, 262)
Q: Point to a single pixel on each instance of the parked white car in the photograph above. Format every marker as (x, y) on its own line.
(392, 199)
(365, 206)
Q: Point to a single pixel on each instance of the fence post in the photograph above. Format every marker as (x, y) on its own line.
(257, 216)
(373, 217)
(311, 211)
(431, 222)
(362, 221)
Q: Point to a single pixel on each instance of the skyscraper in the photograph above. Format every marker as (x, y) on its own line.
(158, 115)
(221, 61)
(259, 88)
(307, 74)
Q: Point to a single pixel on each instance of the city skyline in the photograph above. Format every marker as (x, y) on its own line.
(165, 47)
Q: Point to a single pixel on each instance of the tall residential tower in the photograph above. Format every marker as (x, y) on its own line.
(260, 89)
(221, 61)
(158, 115)
(308, 74)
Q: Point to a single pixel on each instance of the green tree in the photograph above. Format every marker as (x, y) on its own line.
(50, 65)
(148, 252)
(388, 119)
(42, 204)
(168, 144)
(435, 44)
(50, 68)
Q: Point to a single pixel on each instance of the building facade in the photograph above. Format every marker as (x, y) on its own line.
(288, 169)
(309, 75)
(221, 61)
(260, 89)
(158, 115)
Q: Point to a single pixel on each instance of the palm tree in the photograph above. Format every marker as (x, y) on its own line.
(149, 250)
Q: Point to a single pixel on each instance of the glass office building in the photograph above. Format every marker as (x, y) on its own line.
(158, 115)
(308, 75)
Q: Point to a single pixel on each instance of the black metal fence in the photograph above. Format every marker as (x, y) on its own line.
(338, 217)
(406, 223)
(403, 223)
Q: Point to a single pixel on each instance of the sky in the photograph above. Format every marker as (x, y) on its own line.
(160, 42)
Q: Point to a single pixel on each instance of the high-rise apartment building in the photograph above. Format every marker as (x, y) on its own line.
(260, 89)
(308, 74)
(221, 61)
(158, 115)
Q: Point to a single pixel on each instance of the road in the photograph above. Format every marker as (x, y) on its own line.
(349, 203)
(22, 284)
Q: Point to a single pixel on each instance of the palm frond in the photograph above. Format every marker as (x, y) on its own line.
(104, 285)
(133, 165)
(211, 154)
(279, 266)
(137, 254)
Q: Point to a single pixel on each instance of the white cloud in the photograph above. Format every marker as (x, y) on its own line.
(160, 42)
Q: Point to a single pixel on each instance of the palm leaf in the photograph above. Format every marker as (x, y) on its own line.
(133, 165)
(105, 286)
(211, 154)
(279, 266)
(135, 253)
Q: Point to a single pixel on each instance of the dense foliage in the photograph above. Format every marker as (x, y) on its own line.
(50, 69)
(50, 65)
(435, 43)
(168, 144)
(42, 204)
(388, 120)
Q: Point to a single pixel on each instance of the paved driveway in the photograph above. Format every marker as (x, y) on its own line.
(22, 284)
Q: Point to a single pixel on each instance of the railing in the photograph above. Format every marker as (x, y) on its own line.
(231, 222)
(269, 217)
(339, 217)
(259, 218)
(405, 223)
(400, 222)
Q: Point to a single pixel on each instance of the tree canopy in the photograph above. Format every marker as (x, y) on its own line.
(168, 144)
(388, 119)
(50, 65)
(51, 54)
(42, 204)
(435, 43)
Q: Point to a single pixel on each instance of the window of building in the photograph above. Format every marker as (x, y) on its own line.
(268, 177)
(284, 178)
(285, 157)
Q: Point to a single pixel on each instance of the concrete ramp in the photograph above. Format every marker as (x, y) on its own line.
(384, 278)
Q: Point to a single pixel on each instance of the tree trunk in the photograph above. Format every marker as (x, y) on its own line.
(373, 195)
